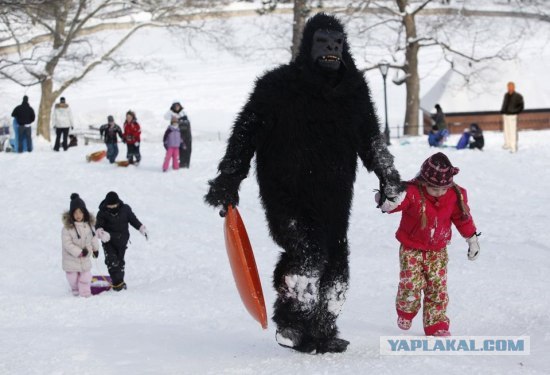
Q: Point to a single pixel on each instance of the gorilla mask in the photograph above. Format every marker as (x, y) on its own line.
(326, 48)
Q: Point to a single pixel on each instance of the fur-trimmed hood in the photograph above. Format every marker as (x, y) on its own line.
(61, 105)
(68, 222)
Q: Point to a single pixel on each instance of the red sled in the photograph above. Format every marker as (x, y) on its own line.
(101, 284)
(243, 265)
(96, 156)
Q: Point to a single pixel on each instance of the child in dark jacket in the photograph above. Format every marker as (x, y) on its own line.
(429, 205)
(109, 133)
(172, 144)
(112, 228)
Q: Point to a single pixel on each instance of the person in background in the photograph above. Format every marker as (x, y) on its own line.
(512, 106)
(477, 137)
(109, 133)
(437, 137)
(172, 143)
(439, 118)
(62, 121)
(24, 116)
(79, 242)
(73, 141)
(132, 136)
(185, 130)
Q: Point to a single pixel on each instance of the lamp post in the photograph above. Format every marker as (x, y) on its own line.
(384, 67)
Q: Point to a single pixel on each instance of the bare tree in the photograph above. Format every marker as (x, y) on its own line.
(404, 27)
(300, 10)
(52, 41)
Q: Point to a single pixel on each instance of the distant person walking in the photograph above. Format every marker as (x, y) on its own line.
(109, 132)
(62, 122)
(512, 105)
(132, 136)
(24, 115)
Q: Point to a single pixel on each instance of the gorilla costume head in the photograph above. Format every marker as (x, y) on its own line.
(324, 46)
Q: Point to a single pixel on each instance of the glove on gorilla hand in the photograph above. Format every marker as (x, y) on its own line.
(224, 191)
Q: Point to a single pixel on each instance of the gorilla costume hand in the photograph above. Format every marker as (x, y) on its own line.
(390, 188)
(224, 191)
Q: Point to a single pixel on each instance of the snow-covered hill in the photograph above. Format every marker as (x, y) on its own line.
(181, 313)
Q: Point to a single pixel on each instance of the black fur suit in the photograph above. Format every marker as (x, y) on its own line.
(307, 126)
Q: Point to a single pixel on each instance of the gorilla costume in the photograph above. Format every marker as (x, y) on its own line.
(307, 121)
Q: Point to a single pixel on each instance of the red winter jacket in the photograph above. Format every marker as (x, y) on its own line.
(440, 213)
(132, 132)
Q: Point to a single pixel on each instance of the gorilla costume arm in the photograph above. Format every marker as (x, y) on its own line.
(374, 153)
(234, 166)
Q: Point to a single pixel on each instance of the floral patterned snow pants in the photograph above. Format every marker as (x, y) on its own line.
(423, 271)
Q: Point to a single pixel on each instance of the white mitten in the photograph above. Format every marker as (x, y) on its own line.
(143, 230)
(473, 247)
(388, 205)
(102, 235)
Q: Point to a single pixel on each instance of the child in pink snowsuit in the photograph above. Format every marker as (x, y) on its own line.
(78, 243)
(172, 143)
(429, 205)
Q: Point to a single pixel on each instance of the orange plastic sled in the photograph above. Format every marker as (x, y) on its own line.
(243, 266)
(96, 156)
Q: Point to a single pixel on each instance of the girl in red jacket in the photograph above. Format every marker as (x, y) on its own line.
(429, 205)
(132, 137)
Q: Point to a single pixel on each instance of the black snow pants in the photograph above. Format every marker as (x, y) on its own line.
(114, 259)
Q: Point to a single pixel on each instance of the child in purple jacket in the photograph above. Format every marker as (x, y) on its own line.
(172, 143)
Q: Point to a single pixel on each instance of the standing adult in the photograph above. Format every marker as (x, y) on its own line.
(439, 118)
(132, 136)
(24, 115)
(62, 121)
(308, 122)
(185, 130)
(109, 132)
(512, 105)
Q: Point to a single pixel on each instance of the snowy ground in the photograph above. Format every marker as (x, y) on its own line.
(182, 314)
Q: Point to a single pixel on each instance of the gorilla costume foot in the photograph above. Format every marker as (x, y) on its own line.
(294, 339)
(333, 345)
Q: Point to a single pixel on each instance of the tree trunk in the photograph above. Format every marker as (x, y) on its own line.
(411, 70)
(45, 111)
(413, 90)
(301, 11)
